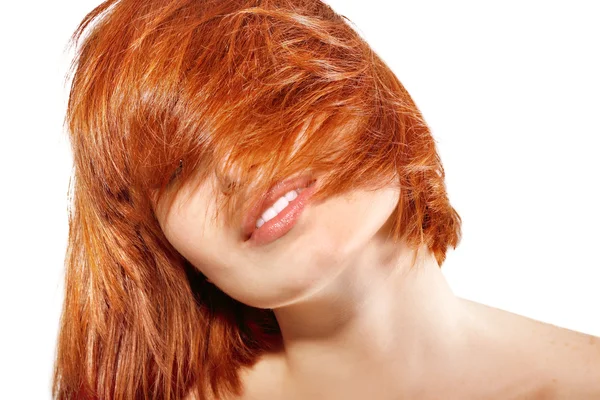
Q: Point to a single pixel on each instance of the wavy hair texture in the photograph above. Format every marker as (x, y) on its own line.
(169, 92)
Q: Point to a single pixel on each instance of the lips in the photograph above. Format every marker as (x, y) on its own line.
(280, 189)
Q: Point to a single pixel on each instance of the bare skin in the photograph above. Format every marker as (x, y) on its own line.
(428, 344)
(513, 358)
(362, 323)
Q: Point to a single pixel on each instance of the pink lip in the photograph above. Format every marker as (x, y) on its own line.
(285, 220)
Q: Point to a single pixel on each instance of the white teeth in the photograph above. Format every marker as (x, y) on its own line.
(278, 206)
(291, 195)
(269, 213)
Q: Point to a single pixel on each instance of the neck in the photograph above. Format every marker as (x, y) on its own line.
(381, 314)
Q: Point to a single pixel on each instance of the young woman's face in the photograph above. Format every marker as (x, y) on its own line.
(325, 238)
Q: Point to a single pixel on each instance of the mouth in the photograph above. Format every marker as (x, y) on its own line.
(278, 210)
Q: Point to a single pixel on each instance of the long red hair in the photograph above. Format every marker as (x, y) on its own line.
(170, 92)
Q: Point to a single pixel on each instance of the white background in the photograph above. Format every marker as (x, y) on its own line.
(511, 91)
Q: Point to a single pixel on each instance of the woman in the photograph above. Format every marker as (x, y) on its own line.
(259, 212)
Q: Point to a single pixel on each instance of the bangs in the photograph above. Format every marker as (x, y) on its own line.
(252, 93)
(168, 94)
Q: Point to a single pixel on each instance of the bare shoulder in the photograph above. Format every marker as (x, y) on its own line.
(574, 362)
(566, 362)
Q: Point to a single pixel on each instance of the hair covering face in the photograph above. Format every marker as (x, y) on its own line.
(167, 93)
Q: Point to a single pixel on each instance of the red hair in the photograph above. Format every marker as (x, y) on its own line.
(252, 91)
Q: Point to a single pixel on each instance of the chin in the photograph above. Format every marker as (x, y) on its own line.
(303, 269)
(328, 239)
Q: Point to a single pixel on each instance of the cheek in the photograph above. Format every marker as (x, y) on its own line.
(340, 229)
(349, 222)
(191, 230)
